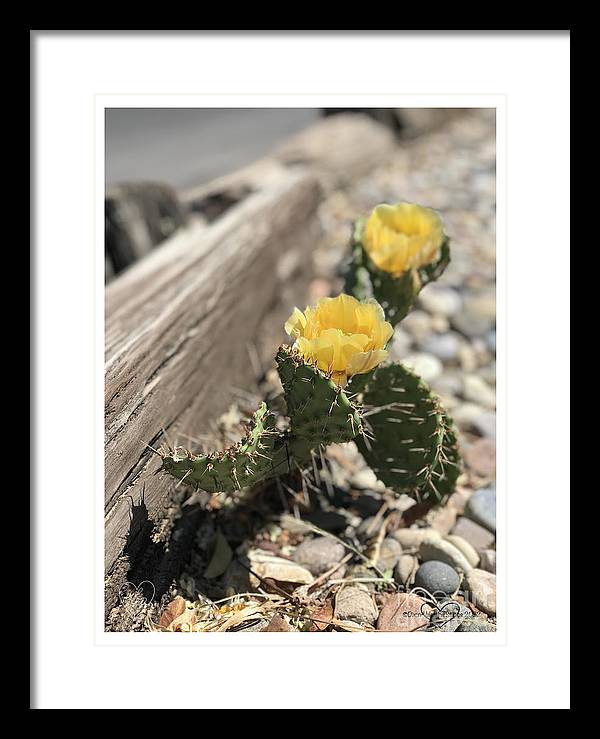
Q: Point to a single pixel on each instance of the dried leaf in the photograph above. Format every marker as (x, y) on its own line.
(172, 611)
(323, 614)
(277, 623)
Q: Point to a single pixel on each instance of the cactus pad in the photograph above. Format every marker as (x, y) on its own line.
(320, 411)
(259, 455)
(409, 441)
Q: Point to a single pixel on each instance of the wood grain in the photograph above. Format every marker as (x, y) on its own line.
(179, 328)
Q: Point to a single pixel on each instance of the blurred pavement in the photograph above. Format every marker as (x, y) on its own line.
(186, 147)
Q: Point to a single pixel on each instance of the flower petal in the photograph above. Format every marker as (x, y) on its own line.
(295, 324)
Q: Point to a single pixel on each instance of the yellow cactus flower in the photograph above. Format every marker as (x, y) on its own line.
(403, 237)
(341, 336)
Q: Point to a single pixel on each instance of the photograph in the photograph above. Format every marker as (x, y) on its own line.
(299, 317)
(300, 370)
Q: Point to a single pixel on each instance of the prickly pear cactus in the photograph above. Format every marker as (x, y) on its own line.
(409, 441)
(394, 292)
(320, 411)
(259, 455)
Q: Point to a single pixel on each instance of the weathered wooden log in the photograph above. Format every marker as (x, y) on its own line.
(181, 326)
(138, 216)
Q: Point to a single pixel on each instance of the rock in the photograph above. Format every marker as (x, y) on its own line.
(319, 555)
(443, 551)
(328, 520)
(389, 554)
(405, 570)
(369, 528)
(490, 340)
(476, 624)
(449, 615)
(355, 604)
(413, 538)
(437, 578)
(444, 519)
(466, 414)
(366, 479)
(294, 525)
(480, 457)
(481, 508)
(478, 315)
(485, 423)
(267, 565)
(488, 560)
(458, 499)
(418, 324)
(463, 546)
(448, 384)
(367, 504)
(443, 346)
(442, 300)
(401, 344)
(480, 588)
(478, 391)
(425, 365)
(477, 536)
(403, 612)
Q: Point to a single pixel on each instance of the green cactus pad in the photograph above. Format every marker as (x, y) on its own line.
(395, 294)
(320, 411)
(409, 441)
(261, 454)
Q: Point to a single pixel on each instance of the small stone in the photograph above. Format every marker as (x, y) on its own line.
(405, 569)
(480, 457)
(328, 520)
(478, 315)
(294, 525)
(389, 554)
(443, 551)
(413, 538)
(267, 565)
(438, 578)
(401, 343)
(466, 414)
(490, 340)
(442, 300)
(481, 508)
(463, 546)
(485, 423)
(448, 384)
(355, 604)
(449, 615)
(418, 324)
(480, 588)
(365, 479)
(488, 560)
(458, 499)
(477, 536)
(478, 391)
(319, 555)
(476, 624)
(425, 365)
(369, 528)
(443, 346)
(277, 623)
(403, 612)
(444, 519)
